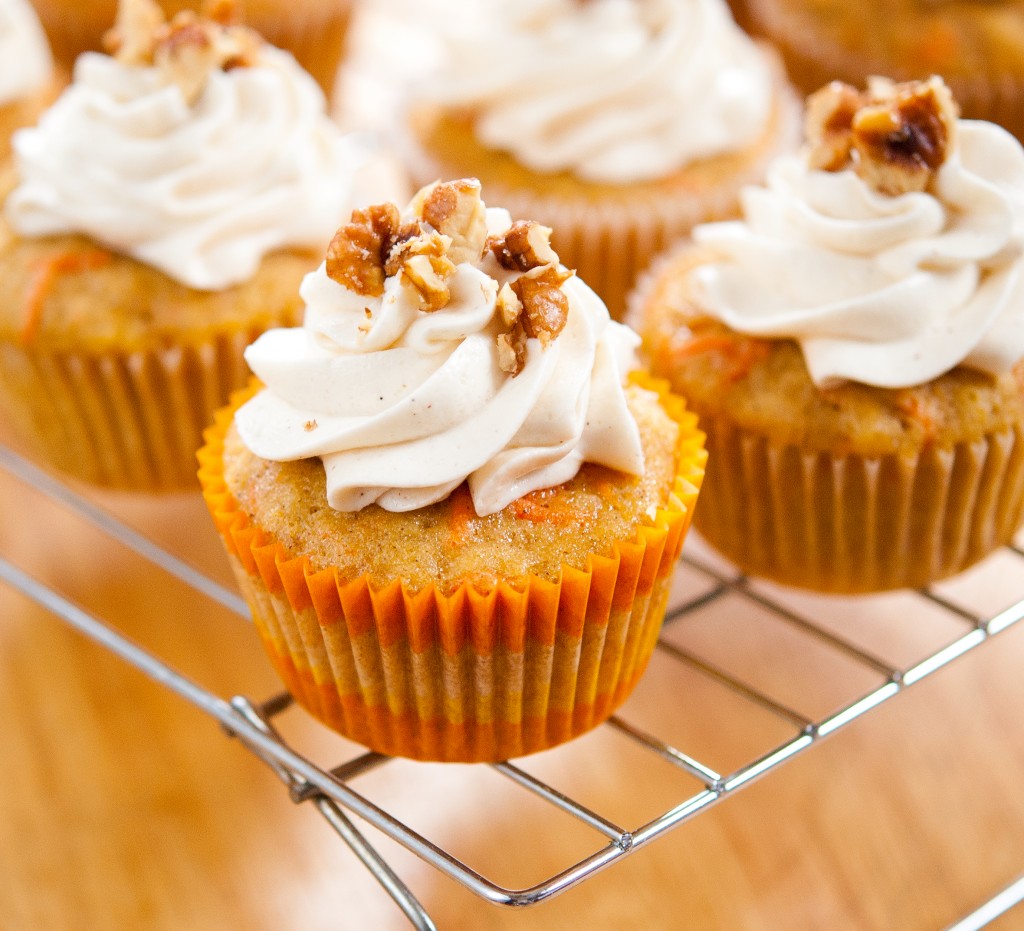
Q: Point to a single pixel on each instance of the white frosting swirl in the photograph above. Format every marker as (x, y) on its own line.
(403, 406)
(887, 291)
(25, 61)
(615, 91)
(202, 192)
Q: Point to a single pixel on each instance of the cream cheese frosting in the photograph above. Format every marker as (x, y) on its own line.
(615, 91)
(891, 291)
(200, 192)
(403, 405)
(25, 61)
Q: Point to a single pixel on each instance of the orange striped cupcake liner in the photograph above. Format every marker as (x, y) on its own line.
(465, 675)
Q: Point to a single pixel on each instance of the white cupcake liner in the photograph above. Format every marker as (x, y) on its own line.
(855, 524)
(130, 420)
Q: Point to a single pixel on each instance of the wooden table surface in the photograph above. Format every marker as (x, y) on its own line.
(122, 806)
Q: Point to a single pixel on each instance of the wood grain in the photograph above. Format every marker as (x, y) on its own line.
(124, 807)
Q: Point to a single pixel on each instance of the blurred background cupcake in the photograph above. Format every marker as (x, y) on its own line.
(854, 347)
(456, 529)
(312, 30)
(619, 124)
(159, 217)
(28, 81)
(977, 48)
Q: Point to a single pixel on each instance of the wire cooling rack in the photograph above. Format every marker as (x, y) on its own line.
(704, 584)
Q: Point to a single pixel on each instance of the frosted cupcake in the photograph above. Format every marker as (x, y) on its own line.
(159, 218)
(619, 124)
(456, 526)
(27, 81)
(854, 347)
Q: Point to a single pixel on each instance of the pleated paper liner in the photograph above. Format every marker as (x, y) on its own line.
(610, 239)
(131, 420)
(463, 675)
(852, 524)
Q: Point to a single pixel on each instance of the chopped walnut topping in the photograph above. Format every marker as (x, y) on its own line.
(189, 49)
(187, 54)
(454, 208)
(545, 304)
(133, 38)
(359, 250)
(524, 246)
(895, 136)
(508, 304)
(424, 253)
(310, 425)
(828, 122)
(512, 350)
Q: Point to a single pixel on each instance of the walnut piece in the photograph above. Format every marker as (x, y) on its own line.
(512, 350)
(359, 250)
(895, 136)
(508, 304)
(189, 49)
(525, 245)
(425, 266)
(454, 208)
(133, 37)
(545, 304)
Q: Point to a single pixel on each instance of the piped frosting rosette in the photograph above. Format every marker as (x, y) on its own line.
(469, 670)
(619, 124)
(890, 252)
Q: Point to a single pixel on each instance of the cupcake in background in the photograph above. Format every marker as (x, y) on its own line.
(27, 79)
(453, 512)
(159, 218)
(620, 124)
(977, 48)
(314, 31)
(854, 346)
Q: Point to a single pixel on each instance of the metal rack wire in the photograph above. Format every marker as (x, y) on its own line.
(331, 790)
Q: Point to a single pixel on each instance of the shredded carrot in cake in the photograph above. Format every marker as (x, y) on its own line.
(462, 513)
(919, 409)
(42, 281)
(741, 354)
(534, 508)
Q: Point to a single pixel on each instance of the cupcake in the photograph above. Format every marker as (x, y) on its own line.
(853, 346)
(454, 517)
(313, 31)
(619, 124)
(977, 48)
(159, 218)
(27, 81)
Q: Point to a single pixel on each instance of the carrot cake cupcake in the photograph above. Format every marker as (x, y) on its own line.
(159, 218)
(619, 124)
(455, 522)
(855, 346)
(27, 81)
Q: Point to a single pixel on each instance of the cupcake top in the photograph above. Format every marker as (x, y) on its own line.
(615, 91)
(443, 345)
(194, 147)
(890, 248)
(25, 62)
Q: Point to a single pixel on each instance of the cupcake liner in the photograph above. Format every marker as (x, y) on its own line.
(464, 675)
(854, 524)
(610, 238)
(130, 420)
